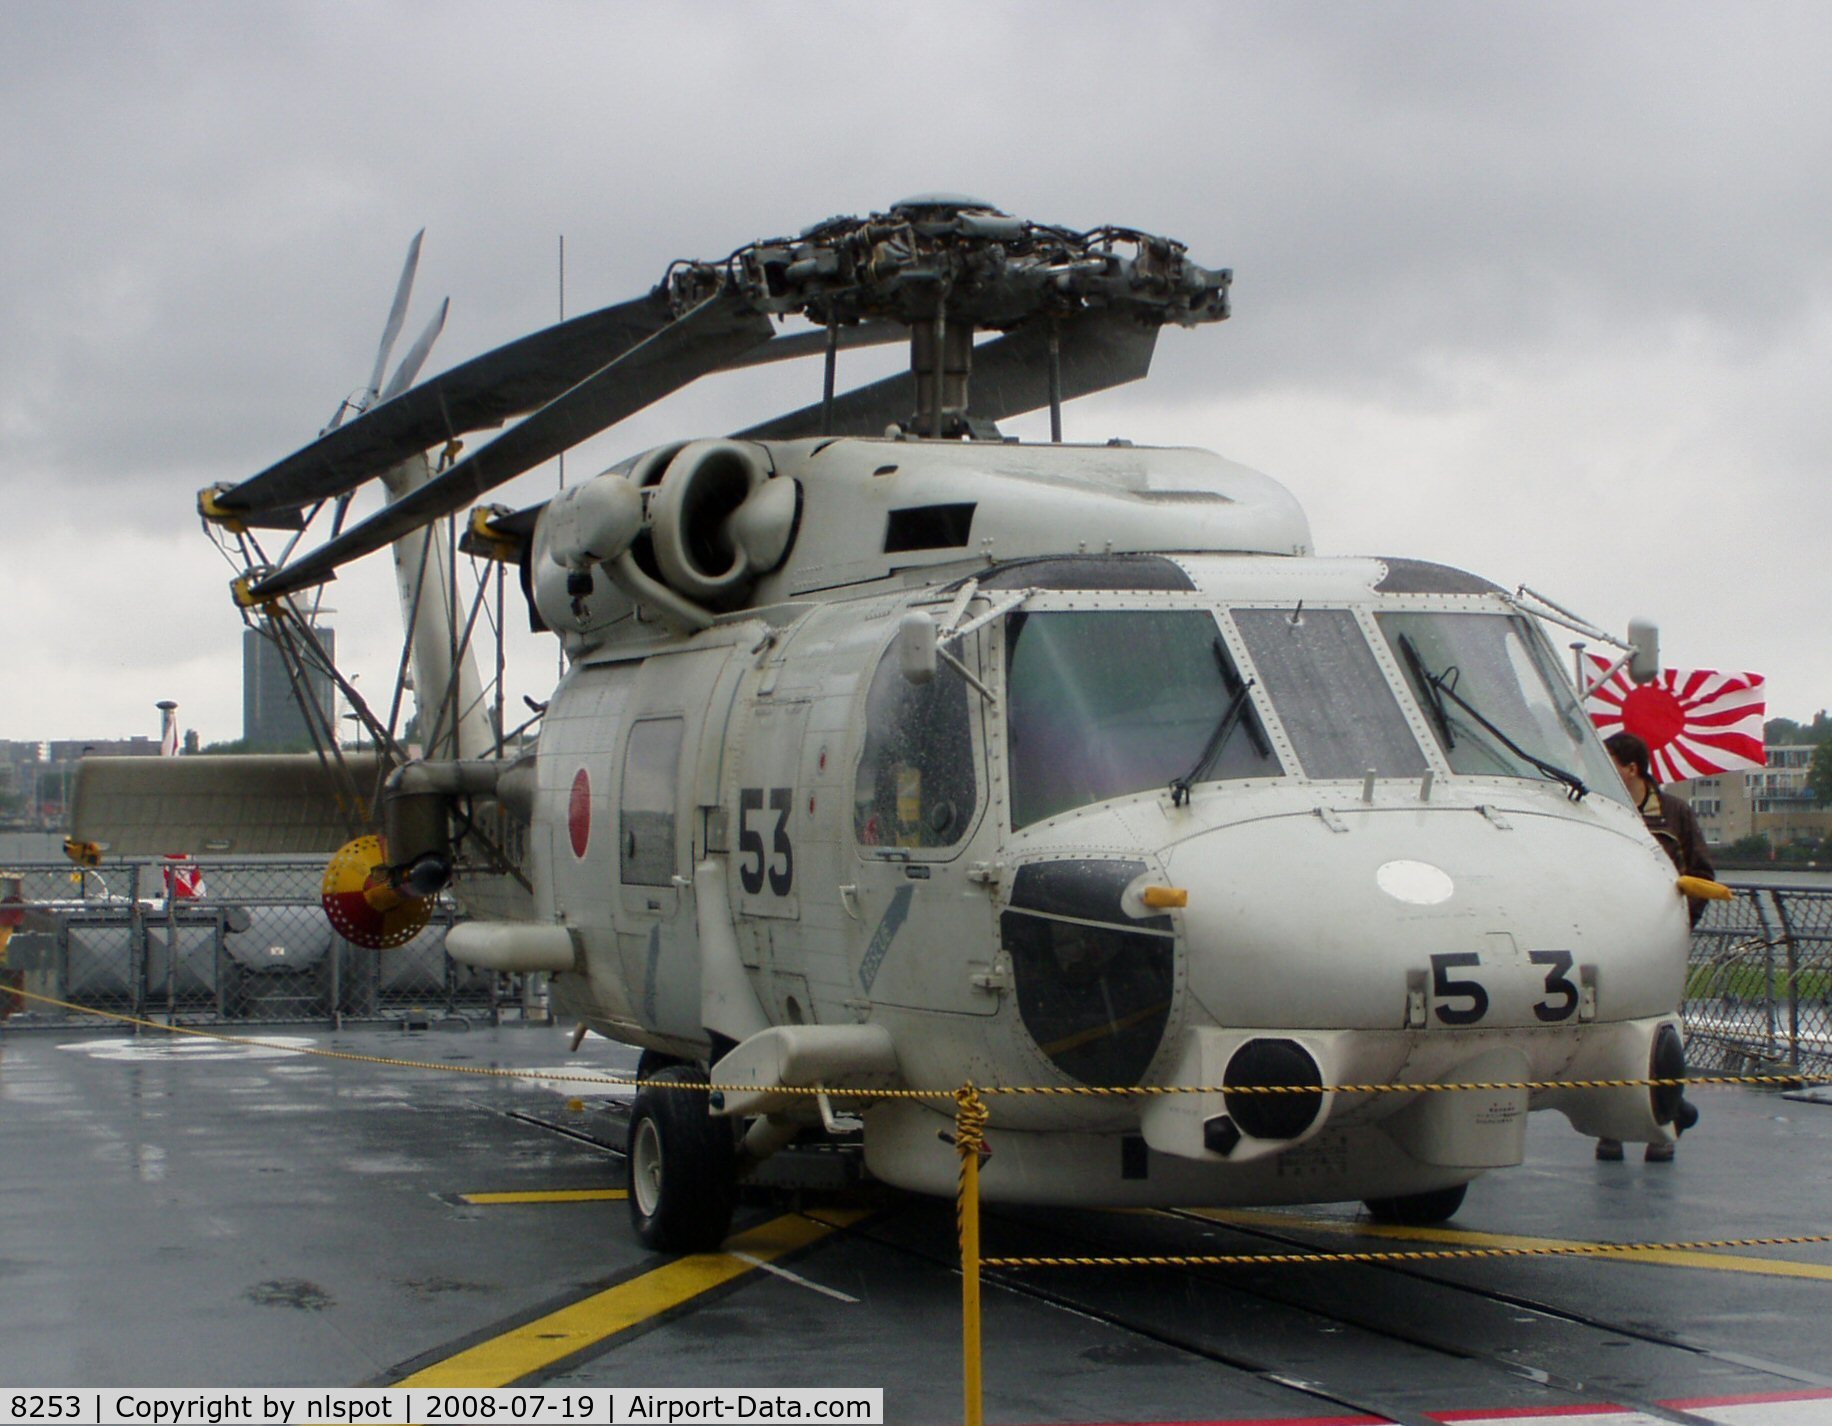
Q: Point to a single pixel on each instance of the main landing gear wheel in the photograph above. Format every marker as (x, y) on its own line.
(1418, 1210)
(683, 1165)
(653, 1061)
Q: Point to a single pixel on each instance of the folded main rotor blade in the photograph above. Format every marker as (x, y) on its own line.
(702, 340)
(485, 391)
(1097, 349)
(801, 344)
(397, 314)
(422, 347)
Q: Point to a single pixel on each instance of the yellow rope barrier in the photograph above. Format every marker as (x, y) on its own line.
(1429, 1087)
(1560, 1250)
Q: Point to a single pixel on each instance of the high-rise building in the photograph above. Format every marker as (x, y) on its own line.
(271, 716)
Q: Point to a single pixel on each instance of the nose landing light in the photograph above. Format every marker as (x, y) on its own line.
(1165, 898)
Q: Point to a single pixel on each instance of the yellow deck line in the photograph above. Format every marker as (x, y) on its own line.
(1456, 1237)
(504, 1360)
(556, 1195)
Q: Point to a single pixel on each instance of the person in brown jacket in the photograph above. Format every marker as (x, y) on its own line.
(1676, 829)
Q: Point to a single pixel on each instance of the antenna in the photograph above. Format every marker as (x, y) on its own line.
(560, 655)
(562, 318)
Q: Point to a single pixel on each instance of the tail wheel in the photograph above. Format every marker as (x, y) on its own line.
(683, 1165)
(1418, 1210)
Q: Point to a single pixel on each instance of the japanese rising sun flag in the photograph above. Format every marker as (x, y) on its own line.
(1696, 722)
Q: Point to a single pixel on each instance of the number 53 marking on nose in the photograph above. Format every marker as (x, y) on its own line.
(1468, 998)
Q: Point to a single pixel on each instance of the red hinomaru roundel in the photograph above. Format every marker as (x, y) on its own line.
(579, 813)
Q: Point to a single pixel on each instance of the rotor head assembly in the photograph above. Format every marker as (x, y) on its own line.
(943, 256)
(945, 266)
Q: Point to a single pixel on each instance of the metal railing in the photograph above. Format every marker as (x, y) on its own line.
(253, 946)
(1759, 987)
(250, 945)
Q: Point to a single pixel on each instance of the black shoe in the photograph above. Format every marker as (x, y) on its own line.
(1659, 1153)
(1610, 1150)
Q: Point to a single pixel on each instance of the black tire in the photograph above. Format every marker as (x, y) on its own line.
(1418, 1210)
(652, 1062)
(683, 1166)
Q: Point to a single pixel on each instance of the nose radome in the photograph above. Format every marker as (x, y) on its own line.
(1298, 921)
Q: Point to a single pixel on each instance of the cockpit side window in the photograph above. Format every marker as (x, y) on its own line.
(1329, 692)
(916, 784)
(1101, 703)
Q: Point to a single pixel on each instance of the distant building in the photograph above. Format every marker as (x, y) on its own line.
(13, 776)
(35, 777)
(1773, 801)
(271, 716)
(68, 750)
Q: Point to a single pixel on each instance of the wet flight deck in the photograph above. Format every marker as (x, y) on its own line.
(191, 1212)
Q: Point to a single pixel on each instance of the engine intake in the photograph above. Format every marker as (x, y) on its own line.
(718, 521)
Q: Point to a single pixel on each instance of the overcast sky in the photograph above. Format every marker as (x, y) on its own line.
(1543, 291)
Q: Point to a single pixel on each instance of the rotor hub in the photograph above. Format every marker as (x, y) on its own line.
(949, 257)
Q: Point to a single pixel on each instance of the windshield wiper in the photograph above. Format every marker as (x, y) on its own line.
(1434, 697)
(1235, 688)
(1230, 720)
(1442, 685)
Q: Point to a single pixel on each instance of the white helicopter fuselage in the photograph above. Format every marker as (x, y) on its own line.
(886, 765)
(1180, 805)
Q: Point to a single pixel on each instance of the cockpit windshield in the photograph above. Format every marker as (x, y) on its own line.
(1495, 699)
(1338, 709)
(1101, 703)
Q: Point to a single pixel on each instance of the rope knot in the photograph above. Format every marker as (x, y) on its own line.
(970, 1120)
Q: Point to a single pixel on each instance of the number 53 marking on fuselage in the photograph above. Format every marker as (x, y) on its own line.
(755, 864)
(1561, 991)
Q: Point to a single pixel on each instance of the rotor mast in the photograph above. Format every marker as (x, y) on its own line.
(941, 361)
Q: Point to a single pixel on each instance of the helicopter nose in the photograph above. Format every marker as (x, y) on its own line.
(1429, 919)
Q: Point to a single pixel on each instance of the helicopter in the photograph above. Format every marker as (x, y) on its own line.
(892, 752)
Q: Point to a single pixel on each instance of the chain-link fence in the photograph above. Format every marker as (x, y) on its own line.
(1759, 990)
(242, 942)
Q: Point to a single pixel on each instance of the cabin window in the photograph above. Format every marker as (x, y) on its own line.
(915, 785)
(1338, 709)
(1495, 698)
(1102, 703)
(646, 826)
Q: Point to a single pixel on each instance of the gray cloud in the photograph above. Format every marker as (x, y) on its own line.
(1551, 279)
